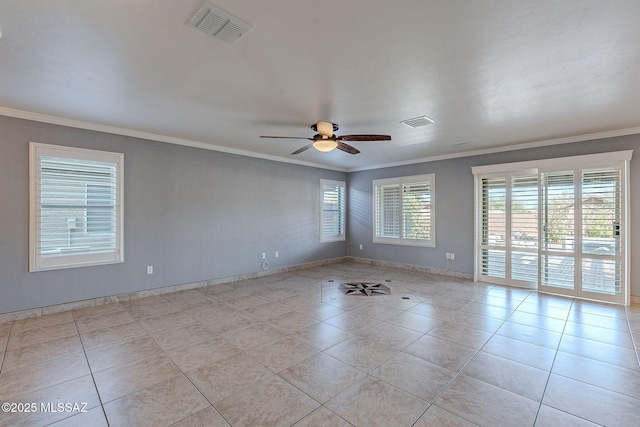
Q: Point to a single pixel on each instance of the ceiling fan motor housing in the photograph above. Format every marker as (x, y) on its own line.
(315, 126)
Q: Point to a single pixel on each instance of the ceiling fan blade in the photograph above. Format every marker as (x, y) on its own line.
(347, 148)
(364, 138)
(286, 137)
(300, 150)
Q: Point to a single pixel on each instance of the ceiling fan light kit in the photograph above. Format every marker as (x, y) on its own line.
(325, 141)
(325, 145)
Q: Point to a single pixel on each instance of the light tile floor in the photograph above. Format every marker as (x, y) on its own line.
(290, 349)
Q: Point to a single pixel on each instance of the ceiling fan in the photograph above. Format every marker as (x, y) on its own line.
(326, 141)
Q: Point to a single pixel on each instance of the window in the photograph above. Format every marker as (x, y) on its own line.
(75, 207)
(404, 210)
(332, 215)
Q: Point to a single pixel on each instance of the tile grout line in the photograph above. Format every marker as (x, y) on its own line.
(6, 346)
(555, 355)
(470, 359)
(93, 379)
(162, 350)
(633, 339)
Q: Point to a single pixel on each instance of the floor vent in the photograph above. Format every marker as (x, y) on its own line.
(217, 23)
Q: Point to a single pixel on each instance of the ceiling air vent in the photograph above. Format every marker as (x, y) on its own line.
(416, 122)
(465, 145)
(217, 23)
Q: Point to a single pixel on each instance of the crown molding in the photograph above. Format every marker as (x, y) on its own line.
(62, 121)
(56, 120)
(513, 147)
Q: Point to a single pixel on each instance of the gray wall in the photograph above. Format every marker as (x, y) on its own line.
(193, 214)
(454, 205)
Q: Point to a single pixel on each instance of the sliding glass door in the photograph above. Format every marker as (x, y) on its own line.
(558, 225)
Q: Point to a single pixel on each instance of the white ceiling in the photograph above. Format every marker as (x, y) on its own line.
(494, 73)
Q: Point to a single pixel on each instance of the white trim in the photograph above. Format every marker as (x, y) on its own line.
(44, 118)
(626, 217)
(534, 165)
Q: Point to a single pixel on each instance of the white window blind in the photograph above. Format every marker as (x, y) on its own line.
(404, 210)
(493, 227)
(332, 215)
(76, 212)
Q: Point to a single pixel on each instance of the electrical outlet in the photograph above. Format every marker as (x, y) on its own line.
(447, 255)
(149, 269)
(277, 254)
(452, 256)
(360, 246)
(264, 255)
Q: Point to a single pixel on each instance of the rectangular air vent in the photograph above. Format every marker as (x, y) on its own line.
(416, 122)
(465, 145)
(217, 23)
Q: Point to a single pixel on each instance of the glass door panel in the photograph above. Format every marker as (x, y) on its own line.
(523, 244)
(509, 229)
(601, 234)
(557, 269)
(493, 228)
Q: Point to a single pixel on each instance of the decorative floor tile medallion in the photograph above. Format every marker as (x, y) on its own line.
(364, 289)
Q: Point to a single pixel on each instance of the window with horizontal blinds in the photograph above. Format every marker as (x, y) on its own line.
(416, 211)
(332, 215)
(76, 212)
(403, 210)
(388, 211)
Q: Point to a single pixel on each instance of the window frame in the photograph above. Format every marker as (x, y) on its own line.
(340, 237)
(400, 182)
(38, 262)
